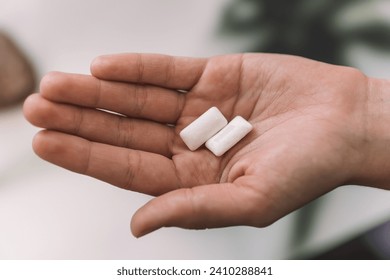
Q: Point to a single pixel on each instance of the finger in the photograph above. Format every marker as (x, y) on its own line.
(139, 101)
(207, 206)
(129, 169)
(154, 69)
(99, 126)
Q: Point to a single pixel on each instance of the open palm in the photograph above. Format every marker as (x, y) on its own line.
(122, 125)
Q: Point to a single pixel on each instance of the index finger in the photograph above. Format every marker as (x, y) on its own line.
(156, 69)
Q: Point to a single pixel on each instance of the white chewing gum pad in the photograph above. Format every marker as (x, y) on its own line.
(229, 136)
(204, 127)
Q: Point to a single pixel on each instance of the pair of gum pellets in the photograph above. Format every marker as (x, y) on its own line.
(213, 129)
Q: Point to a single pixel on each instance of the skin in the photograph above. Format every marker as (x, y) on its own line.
(316, 127)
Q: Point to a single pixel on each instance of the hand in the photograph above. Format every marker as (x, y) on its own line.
(308, 118)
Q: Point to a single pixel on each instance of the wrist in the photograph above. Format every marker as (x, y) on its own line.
(375, 166)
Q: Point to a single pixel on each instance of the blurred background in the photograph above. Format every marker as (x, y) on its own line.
(50, 213)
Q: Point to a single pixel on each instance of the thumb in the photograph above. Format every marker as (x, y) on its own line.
(207, 206)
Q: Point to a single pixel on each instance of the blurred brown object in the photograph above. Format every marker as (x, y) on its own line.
(17, 79)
